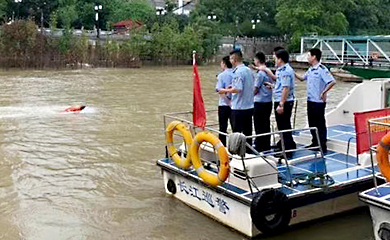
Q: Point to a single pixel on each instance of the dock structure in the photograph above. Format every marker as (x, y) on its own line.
(363, 50)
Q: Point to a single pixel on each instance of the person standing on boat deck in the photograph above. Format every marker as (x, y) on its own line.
(242, 96)
(224, 105)
(274, 53)
(283, 96)
(262, 104)
(319, 82)
(264, 67)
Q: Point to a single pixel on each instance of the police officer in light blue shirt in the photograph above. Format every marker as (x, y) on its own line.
(242, 96)
(242, 86)
(224, 80)
(283, 96)
(319, 82)
(262, 104)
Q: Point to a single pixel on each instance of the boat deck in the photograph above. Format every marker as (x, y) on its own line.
(379, 196)
(342, 168)
(382, 192)
(340, 133)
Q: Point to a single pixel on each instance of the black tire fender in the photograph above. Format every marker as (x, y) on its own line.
(270, 211)
(171, 186)
(384, 231)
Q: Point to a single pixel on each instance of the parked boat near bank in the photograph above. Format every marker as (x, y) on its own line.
(368, 72)
(265, 193)
(345, 76)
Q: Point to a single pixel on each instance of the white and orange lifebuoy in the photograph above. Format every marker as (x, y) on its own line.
(382, 156)
(193, 156)
(224, 169)
(181, 162)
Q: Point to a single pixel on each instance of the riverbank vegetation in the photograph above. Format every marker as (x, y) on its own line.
(22, 45)
(169, 38)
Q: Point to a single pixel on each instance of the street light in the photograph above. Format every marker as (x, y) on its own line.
(13, 12)
(160, 11)
(254, 22)
(212, 16)
(97, 9)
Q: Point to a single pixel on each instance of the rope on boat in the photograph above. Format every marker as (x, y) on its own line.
(316, 179)
(237, 144)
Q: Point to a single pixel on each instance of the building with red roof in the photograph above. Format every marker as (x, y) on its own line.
(123, 27)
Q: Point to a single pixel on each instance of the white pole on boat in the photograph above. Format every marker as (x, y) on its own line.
(371, 157)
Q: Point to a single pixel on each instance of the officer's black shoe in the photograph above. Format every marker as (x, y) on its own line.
(312, 146)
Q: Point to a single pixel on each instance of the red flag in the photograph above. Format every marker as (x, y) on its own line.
(199, 112)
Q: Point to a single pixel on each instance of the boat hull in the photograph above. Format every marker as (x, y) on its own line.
(379, 202)
(233, 208)
(226, 210)
(368, 72)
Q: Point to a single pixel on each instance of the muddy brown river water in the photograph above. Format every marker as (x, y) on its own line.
(93, 175)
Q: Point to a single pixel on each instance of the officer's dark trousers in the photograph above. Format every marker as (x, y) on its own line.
(316, 118)
(224, 113)
(283, 122)
(261, 118)
(242, 122)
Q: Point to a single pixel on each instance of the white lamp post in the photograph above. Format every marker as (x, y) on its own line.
(97, 9)
(254, 22)
(13, 12)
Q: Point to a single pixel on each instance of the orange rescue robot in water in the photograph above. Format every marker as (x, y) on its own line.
(76, 108)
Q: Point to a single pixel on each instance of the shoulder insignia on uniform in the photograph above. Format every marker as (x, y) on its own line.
(322, 66)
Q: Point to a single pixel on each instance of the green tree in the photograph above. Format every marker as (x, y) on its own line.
(3, 10)
(163, 41)
(299, 17)
(188, 41)
(209, 34)
(19, 40)
(67, 15)
(369, 17)
(231, 14)
(135, 9)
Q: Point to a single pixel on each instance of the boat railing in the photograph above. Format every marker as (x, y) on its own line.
(379, 125)
(212, 117)
(282, 153)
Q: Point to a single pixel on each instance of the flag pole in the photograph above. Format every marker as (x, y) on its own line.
(193, 57)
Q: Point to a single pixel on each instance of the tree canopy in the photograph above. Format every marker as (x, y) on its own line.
(294, 18)
(281, 18)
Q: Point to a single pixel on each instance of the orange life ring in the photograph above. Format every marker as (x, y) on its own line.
(382, 156)
(224, 169)
(184, 163)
